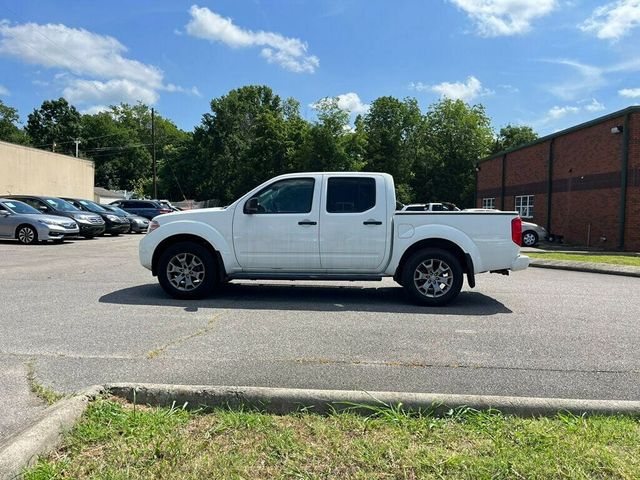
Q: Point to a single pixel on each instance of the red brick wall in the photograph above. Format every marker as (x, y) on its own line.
(586, 183)
(632, 228)
(577, 157)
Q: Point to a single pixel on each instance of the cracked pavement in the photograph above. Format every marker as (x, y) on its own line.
(88, 313)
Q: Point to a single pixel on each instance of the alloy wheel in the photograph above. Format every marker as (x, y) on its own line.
(433, 278)
(26, 235)
(185, 271)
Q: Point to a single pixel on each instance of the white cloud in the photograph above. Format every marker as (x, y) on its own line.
(505, 17)
(110, 92)
(556, 112)
(94, 67)
(594, 106)
(349, 102)
(4, 91)
(95, 109)
(466, 91)
(629, 92)
(290, 53)
(613, 20)
(589, 77)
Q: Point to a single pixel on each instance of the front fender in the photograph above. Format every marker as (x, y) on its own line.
(203, 230)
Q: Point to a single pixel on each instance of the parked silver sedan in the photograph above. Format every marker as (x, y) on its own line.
(27, 225)
(532, 234)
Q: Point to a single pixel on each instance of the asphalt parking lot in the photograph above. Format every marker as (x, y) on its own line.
(85, 312)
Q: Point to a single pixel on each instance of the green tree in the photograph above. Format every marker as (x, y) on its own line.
(9, 130)
(54, 126)
(243, 141)
(391, 126)
(453, 137)
(513, 136)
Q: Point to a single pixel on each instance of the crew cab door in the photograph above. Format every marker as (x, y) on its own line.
(281, 231)
(353, 223)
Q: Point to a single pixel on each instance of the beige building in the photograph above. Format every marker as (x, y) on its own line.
(30, 171)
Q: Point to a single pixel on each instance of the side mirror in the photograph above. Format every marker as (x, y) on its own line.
(4, 213)
(252, 206)
(42, 208)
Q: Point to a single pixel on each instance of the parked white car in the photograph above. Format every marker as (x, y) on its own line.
(330, 226)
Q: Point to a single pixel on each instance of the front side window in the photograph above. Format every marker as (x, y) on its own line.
(351, 194)
(293, 195)
(489, 202)
(524, 206)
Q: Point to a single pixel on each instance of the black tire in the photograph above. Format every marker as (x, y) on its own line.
(207, 265)
(115, 234)
(529, 238)
(427, 292)
(27, 235)
(88, 237)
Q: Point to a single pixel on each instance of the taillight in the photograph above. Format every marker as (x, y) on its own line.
(516, 231)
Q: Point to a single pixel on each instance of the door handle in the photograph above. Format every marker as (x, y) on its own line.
(372, 222)
(307, 222)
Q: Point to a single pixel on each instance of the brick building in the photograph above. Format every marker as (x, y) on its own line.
(582, 182)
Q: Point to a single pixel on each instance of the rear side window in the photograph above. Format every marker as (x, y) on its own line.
(351, 194)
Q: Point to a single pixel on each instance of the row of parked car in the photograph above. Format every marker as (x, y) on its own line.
(32, 219)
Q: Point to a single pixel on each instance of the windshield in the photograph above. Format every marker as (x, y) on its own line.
(19, 207)
(62, 205)
(118, 210)
(92, 207)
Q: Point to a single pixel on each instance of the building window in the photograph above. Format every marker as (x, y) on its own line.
(489, 202)
(524, 206)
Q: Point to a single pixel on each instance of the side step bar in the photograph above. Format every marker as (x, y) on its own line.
(304, 276)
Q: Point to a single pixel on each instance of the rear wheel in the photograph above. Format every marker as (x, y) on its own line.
(187, 270)
(27, 235)
(432, 277)
(529, 238)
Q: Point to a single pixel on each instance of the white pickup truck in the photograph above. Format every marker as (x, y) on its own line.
(330, 226)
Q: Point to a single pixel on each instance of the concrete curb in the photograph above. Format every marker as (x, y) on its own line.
(621, 270)
(44, 435)
(287, 400)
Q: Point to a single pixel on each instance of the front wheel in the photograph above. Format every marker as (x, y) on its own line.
(27, 235)
(529, 238)
(187, 270)
(432, 277)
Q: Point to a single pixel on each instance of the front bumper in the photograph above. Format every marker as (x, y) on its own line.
(55, 232)
(117, 227)
(520, 263)
(145, 251)
(139, 227)
(91, 229)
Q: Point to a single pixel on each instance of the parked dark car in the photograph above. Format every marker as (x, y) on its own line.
(137, 224)
(28, 225)
(114, 224)
(90, 224)
(144, 208)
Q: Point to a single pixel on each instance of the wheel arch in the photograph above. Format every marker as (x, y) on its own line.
(24, 224)
(188, 237)
(463, 257)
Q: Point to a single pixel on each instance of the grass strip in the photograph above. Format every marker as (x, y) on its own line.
(116, 440)
(581, 257)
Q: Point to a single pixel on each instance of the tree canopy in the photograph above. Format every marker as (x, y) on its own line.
(251, 134)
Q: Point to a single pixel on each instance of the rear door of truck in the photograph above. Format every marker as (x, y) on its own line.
(353, 222)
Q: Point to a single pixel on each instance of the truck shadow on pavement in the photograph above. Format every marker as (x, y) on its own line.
(257, 296)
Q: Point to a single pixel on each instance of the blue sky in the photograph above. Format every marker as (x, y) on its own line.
(546, 63)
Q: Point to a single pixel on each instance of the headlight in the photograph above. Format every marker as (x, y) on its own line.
(153, 225)
(112, 218)
(48, 222)
(83, 219)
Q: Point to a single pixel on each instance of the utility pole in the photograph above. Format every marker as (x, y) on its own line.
(77, 142)
(153, 147)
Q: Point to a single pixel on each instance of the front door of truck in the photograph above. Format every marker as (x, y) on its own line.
(276, 228)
